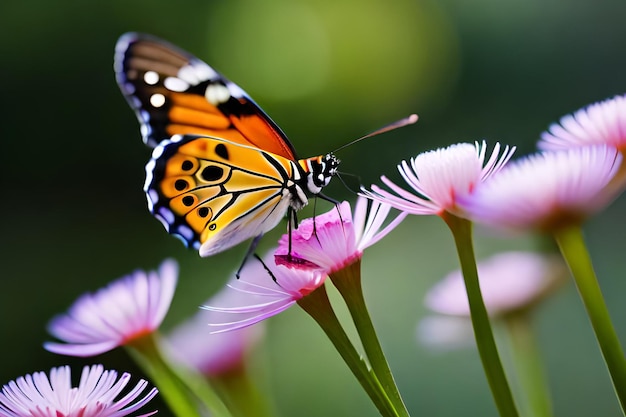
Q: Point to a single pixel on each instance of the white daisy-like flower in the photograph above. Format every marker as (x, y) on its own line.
(440, 177)
(125, 310)
(38, 395)
(546, 191)
(599, 123)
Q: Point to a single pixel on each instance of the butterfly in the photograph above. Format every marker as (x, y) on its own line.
(221, 170)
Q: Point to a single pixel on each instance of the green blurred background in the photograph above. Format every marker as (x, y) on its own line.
(72, 168)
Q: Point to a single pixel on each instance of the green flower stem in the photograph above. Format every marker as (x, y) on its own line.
(241, 394)
(528, 364)
(179, 395)
(199, 386)
(571, 243)
(317, 305)
(348, 283)
(462, 232)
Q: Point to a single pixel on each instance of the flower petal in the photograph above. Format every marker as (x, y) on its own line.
(130, 307)
(546, 191)
(53, 396)
(440, 177)
(599, 123)
(339, 239)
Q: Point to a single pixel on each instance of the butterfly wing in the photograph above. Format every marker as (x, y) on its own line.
(173, 92)
(214, 194)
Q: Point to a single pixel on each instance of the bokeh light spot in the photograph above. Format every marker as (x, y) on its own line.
(381, 59)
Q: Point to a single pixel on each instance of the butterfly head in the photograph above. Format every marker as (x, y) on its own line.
(320, 170)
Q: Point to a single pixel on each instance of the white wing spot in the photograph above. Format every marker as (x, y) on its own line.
(235, 90)
(152, 198)
(129, 88)
(167, 215)
(157, 100)
(196, 72)
(217, 94)
(149, 169)
(175, 84)
(185, 232)
(188, 74)
(157, 152)
(204, 71)
(151, 77)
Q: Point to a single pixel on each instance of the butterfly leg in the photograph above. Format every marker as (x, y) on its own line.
(250, 252)
(326, 198)
(271, 274)
(332, 200)
(292, 223)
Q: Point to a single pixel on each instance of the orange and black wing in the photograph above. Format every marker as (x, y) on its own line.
(173, 92)
(213, 194)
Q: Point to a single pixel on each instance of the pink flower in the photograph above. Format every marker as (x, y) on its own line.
(37, 396)
(262, 291)
(546, 191)
(337, 238)
(126, 309)
(600, 123)
(509, 281)
(211, 354)
(440, 177)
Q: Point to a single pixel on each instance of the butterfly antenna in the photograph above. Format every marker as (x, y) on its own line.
(345, 184)
(391, 126)
(250, 252)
